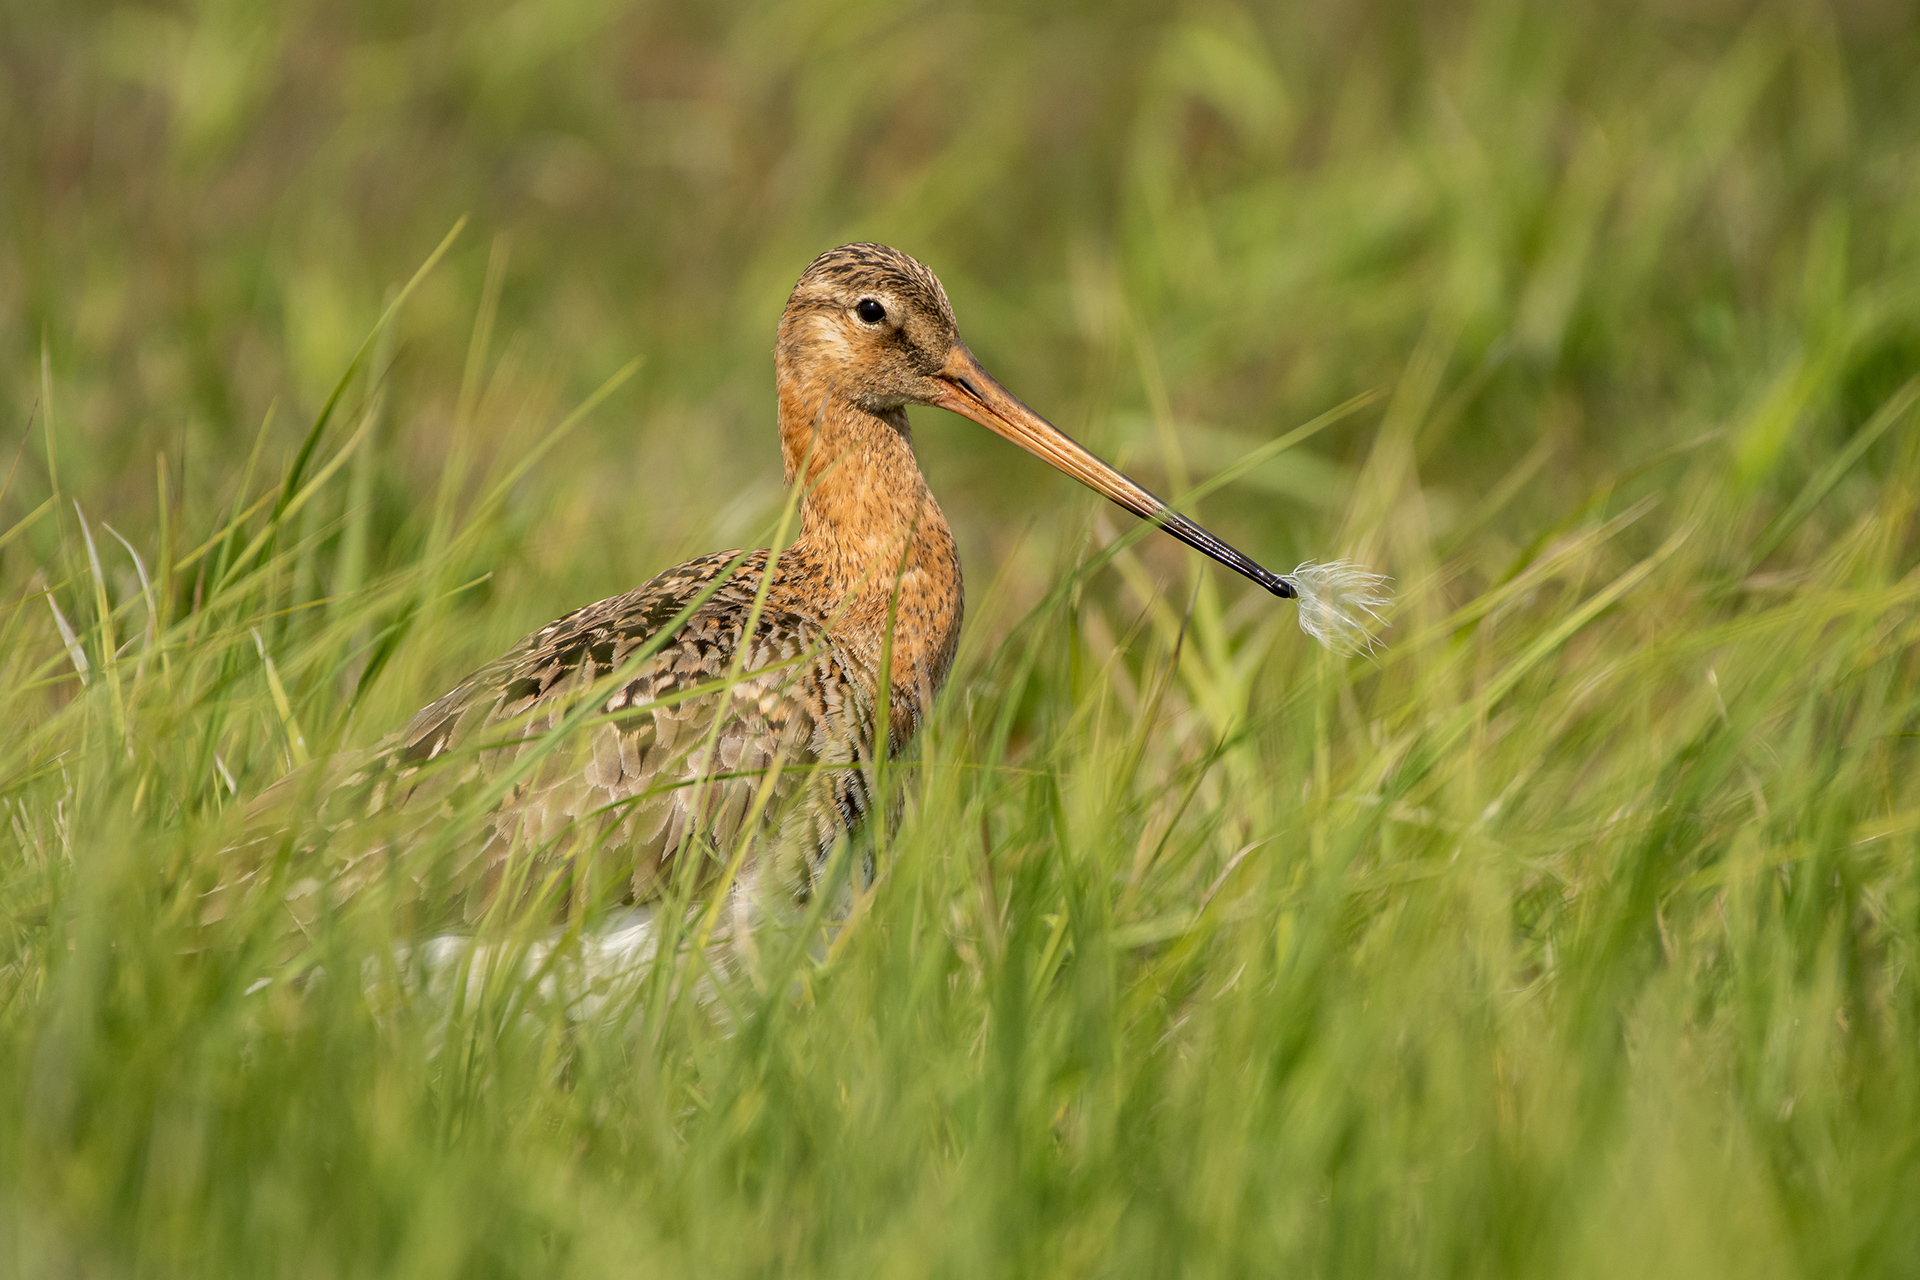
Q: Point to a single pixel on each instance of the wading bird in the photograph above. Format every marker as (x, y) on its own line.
(737, 700)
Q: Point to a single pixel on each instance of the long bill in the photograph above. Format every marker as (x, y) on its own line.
(973, 393)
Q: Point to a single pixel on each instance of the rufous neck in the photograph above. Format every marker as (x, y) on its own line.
(864, 502)
(874, 550)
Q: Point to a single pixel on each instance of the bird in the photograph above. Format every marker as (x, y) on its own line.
(723, 722)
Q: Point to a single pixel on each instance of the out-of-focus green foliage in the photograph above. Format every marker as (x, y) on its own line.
(1574, 934)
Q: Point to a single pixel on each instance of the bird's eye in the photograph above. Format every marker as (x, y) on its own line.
(869, 311)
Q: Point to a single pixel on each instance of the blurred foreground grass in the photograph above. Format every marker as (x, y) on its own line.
(1575, 935)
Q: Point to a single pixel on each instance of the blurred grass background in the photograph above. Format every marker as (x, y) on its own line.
(1576, 935)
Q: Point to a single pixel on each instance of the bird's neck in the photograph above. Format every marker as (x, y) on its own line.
(873, 543)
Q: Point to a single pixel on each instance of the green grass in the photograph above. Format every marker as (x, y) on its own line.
(1574, 935)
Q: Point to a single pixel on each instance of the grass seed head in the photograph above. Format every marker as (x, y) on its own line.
(1340, 604)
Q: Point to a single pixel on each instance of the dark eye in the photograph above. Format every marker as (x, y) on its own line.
(870, 311)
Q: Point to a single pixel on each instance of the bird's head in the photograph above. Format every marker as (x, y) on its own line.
(869, 325)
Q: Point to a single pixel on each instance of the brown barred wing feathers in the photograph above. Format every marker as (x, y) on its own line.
(605, 753)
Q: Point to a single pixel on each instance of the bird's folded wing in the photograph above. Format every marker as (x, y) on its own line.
(601, 759)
